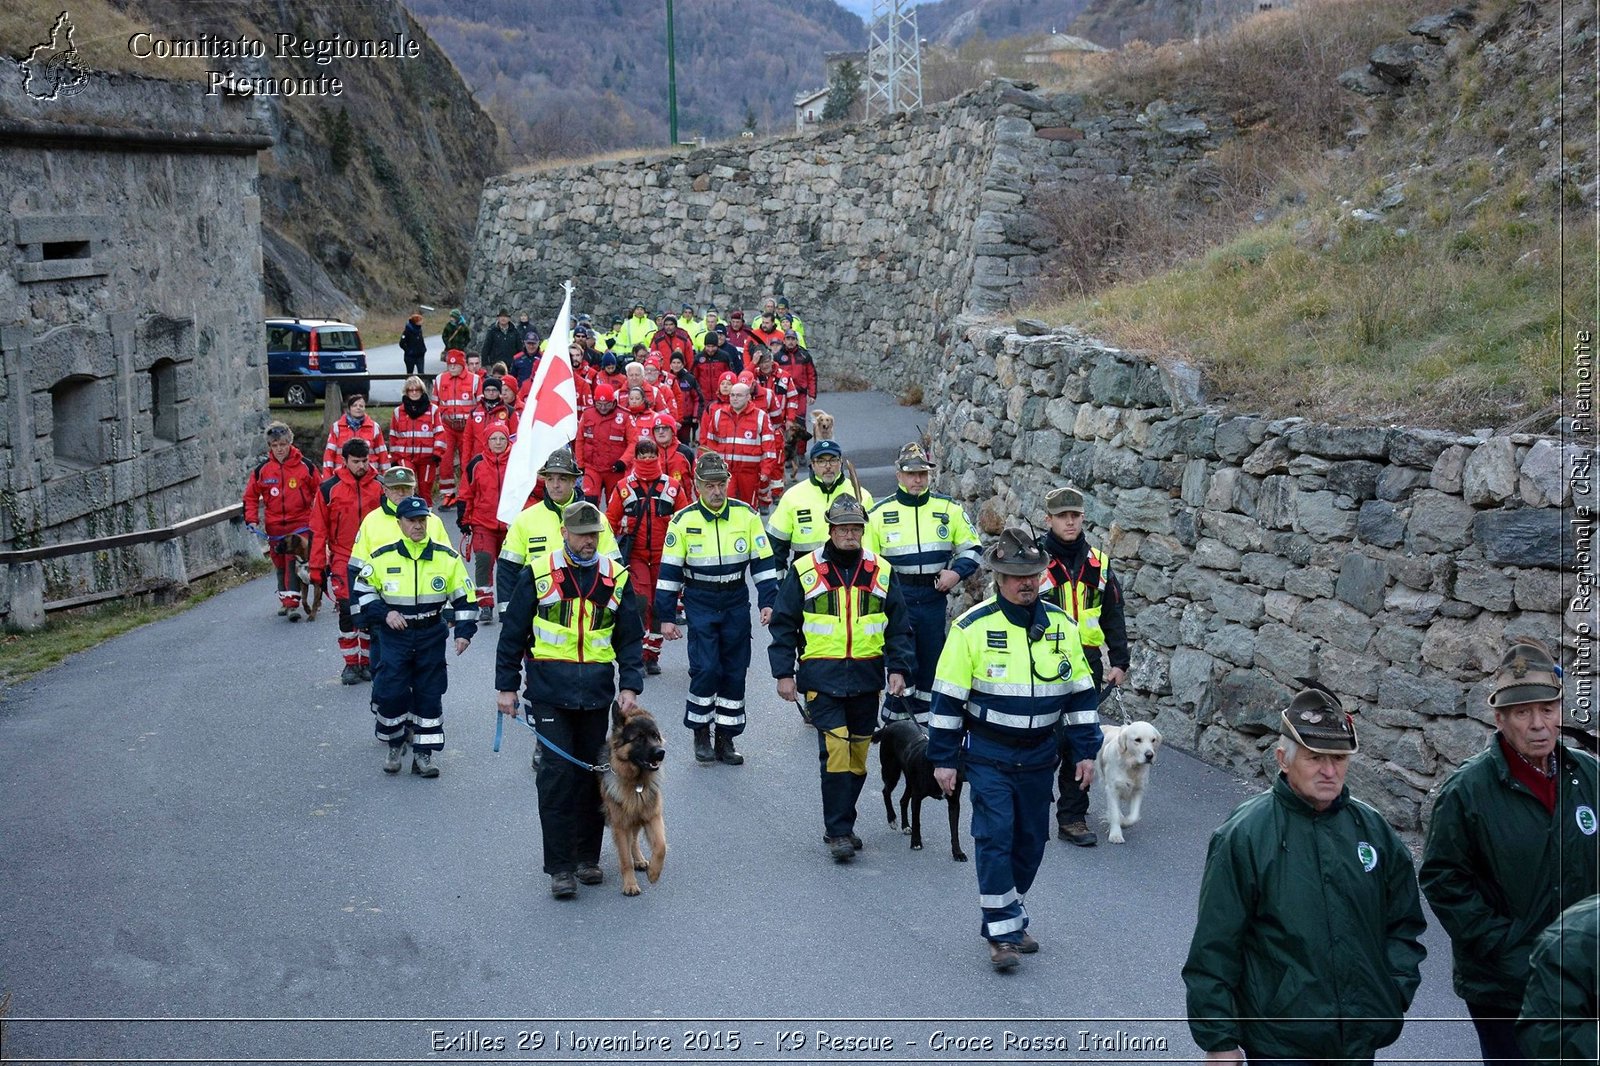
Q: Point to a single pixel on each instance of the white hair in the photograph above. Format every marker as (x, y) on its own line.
(1289, 748)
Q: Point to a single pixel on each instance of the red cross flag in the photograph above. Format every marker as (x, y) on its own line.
(548, 421)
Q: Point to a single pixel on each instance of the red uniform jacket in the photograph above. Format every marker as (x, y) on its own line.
(602, 439)
(278, 496)
(455, 396)
(642, 508)
(480, 490)
(413, 441)
(484, 421)
(746, 440)
(665, 342)
(341, 434)
(343, 500)
(802, 370)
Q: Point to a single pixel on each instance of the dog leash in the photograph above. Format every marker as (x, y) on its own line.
(1113, 692)
(597, 768)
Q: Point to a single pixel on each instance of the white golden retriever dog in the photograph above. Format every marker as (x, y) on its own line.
(1121, 770)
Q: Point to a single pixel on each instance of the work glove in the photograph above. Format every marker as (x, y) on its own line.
(619, 467)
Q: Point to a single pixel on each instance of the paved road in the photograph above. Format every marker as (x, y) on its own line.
(196, 827)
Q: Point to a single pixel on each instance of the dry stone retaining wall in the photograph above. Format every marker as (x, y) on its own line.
(1389, 563)
(880, 235)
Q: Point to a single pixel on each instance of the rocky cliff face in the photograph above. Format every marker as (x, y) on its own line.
(368, 197)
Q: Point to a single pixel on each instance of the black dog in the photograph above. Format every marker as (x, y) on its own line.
(905, 751)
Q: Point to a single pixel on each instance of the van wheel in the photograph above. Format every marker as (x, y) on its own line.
(298, 395)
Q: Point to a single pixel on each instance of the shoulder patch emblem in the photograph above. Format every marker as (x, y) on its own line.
(542, 586)
(1586, 820)
(672, 539)
(808, 578)
(1368, 856)
(943, 532)
(438, 584)
(740, 545)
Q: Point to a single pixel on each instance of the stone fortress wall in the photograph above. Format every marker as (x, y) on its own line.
(879, 234)
(132, 367)
(1391, 564)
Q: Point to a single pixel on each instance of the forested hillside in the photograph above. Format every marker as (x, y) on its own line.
(567, 79)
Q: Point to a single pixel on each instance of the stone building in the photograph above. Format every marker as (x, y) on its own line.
(1062, 50)
(132, 365)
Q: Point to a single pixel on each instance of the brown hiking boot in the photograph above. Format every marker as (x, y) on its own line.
(1029, 946)
(589, 873)
(1077, 833)
(1003, 957)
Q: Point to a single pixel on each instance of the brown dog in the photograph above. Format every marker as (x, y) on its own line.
(632, 795)
(299, 546)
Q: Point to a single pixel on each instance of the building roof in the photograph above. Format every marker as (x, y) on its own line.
(1061, 42)
(802, 99)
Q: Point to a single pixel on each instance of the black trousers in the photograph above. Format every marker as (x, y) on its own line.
(1073, 805)
(571, 819)
(844, 737)
(1497, 1034)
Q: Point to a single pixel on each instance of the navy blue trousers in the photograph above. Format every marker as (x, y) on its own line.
(719, 659)
(408, 693)
(1011, 792)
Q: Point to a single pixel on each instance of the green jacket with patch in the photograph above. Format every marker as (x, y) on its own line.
(1559, 1008)
(1306, 915)
(1497, 867)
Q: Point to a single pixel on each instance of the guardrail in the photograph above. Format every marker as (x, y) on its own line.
(333, 396)
(26, 576)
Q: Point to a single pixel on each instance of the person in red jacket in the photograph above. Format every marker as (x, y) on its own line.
(353, 424)
(342, 501)
(490, 414)
(671, 338)
(277, 502)
(456, 393)
(766, 329)
(677, 460)
(796, 361)
(604, 433)
(640, 511)
(742, 434)
(476, 515)
(690, 402)
(739, 336)
(416, 435)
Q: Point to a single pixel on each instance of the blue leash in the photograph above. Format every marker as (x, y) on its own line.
(591, 767)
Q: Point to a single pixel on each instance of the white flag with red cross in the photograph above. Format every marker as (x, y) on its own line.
(549, 420)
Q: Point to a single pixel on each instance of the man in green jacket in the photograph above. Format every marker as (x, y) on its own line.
(1511, 844)
(1559, 1010)
(1307, 944)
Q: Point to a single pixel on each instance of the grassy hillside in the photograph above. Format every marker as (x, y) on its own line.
(1422, 263)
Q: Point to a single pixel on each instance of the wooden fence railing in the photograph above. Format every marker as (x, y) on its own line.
(25, 574)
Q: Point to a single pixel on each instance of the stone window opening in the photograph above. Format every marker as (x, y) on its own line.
(51, 250)
(75, 421)
(164, 400)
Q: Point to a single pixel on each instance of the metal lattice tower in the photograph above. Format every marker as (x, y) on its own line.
(894, 59)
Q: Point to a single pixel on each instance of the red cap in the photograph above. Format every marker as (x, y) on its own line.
(655, 361)
(747, 377)
(666, 420)
(726, 377)
(605, 394)
(455, 357)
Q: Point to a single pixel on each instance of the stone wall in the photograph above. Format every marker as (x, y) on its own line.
(132, 363)
(1389, 563)
(879, 234)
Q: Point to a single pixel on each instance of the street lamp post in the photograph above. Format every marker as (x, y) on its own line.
(672, 81)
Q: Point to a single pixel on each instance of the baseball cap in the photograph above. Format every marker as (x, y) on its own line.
(826, 447)
(412, 507)
(1064, 500)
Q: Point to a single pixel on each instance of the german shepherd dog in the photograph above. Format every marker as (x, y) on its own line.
(905, 751)
(632, 794)
(298, 545)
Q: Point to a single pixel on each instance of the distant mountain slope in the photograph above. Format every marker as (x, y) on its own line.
(570, 79)
(368, 198)
(951, 22)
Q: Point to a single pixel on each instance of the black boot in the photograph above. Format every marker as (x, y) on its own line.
(702, 744)
(725, 752)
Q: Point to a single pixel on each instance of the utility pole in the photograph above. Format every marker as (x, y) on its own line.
(672, 81)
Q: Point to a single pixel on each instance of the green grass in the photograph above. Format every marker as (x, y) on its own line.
(23, 654)
(1451, 325)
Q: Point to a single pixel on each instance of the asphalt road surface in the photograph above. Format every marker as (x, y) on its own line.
(204, 861)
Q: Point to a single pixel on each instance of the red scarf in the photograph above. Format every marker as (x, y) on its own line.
(647, 470)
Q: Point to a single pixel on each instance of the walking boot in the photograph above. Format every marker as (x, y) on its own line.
(422, 764)
(1077, 833)
(1029, 946)
(563, 885)
(1003, 957)
(589, 873)
(725, 752)
(702, 744)
(366, 671)
(840, 848)
(855, 842)
(351, 675)
(486, 614)
(393, 758)
(652, 667)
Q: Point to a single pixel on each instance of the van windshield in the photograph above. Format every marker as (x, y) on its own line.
(333, 339)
